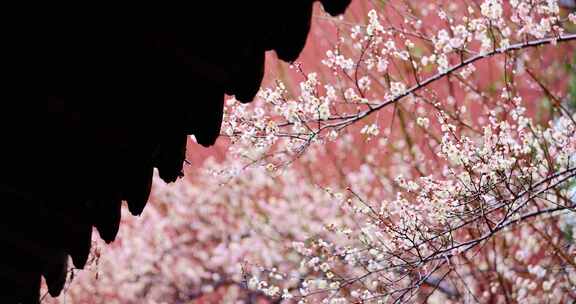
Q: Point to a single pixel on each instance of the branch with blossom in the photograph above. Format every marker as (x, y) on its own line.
(385, 73)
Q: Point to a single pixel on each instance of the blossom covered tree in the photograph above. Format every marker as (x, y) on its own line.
(428, 157)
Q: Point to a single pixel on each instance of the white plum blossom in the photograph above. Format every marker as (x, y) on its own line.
(492, 9)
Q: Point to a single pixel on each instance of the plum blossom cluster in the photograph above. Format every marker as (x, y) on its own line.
(222, 235)
(433, 234)
(375, 65)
